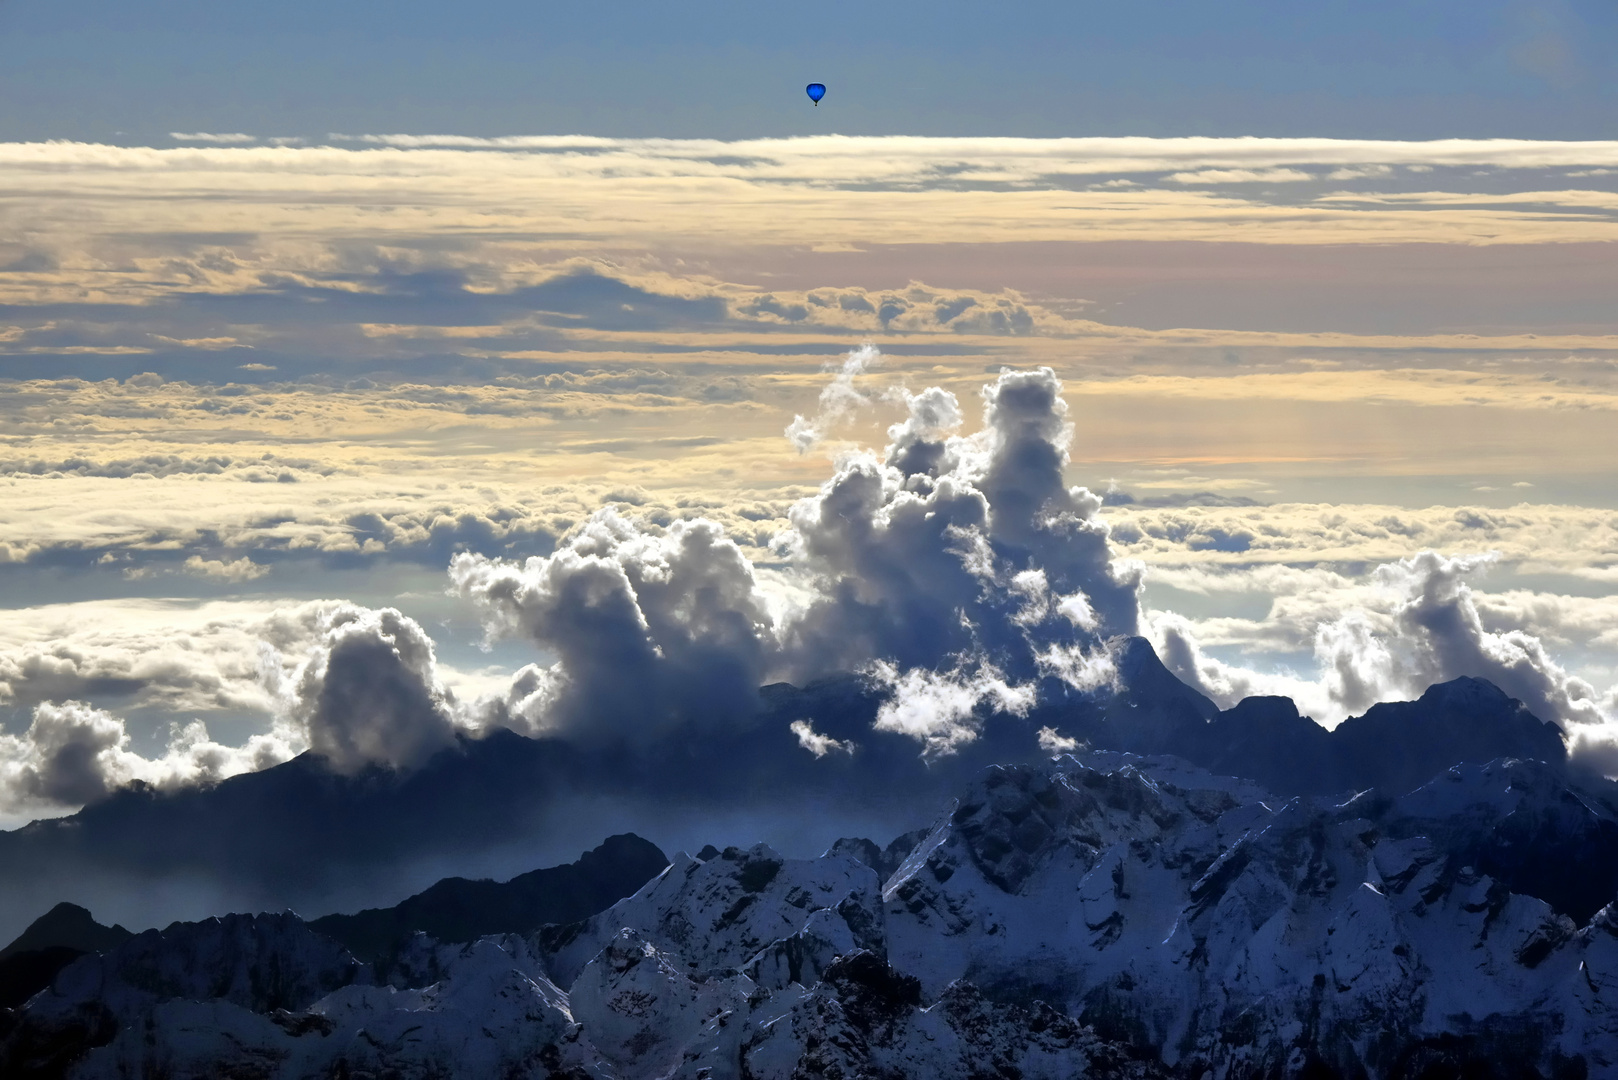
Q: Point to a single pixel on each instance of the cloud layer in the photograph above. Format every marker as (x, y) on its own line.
(72, 754)
(958, 571)
(1418, 621)
(239, 219)
(358, 686)
(652, 631)
(947, 552)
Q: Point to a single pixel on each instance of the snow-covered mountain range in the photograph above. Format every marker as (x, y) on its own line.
(1105, 914)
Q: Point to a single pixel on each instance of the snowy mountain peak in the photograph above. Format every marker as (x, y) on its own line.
(1106, 914)
(721, 913)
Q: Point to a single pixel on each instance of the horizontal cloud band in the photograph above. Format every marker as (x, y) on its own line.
(958, 572)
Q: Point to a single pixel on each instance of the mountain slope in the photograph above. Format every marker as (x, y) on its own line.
(67, 926)
(304, 836)
(1106, 915)
(457, 910)
(51, 942)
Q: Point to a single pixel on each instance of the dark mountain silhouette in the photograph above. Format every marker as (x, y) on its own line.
(24, 974)
(67, 925)
(51, 942)
(291, 835)
(1394, 747)
(459, 910)
(305, 836)
(1401, 744)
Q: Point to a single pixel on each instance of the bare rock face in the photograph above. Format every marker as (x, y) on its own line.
(1109, 916)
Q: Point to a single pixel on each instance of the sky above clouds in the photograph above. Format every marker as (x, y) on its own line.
(103, 71)
(366, 380)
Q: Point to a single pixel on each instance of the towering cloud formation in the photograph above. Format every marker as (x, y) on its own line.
(369, 692)
(955, 569)
(363, 690)
(960, 551)
(651, 631)
(958, 572)
(1441, 621)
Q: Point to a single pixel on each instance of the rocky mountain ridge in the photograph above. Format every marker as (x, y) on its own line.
(457, 911)
(1106, 914)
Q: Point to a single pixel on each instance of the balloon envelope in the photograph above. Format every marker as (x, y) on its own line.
(816, 92)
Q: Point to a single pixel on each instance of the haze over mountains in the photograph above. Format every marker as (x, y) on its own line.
(306, 836)
(976, 594)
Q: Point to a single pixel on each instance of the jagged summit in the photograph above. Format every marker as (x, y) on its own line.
(1100, 914)
(884, 860)
(1392, 746)
(1144, 680)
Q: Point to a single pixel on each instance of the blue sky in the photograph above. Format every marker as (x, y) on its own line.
(100, 70)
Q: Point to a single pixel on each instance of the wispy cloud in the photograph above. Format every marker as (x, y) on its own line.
(820, 191)
(1241, 176)
(902, 155)
(209, 137)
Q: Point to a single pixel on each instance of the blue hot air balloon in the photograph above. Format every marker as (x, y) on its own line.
(816, 91)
